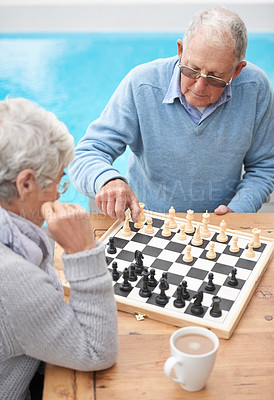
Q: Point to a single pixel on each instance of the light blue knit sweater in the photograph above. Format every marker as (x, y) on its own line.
(173, 160)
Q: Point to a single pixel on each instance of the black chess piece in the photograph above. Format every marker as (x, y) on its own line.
(185, 292)
(162, 298)
(111, 246)
(197, 308)
(233, 280)
(125, 286)
(115, 273)
(179, 301)
(152, 281)
(210, 285)
(132, 274)
(144, 291)
(139, 266)
(164, 275)
(216, 311)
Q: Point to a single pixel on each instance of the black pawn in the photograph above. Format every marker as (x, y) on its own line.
(210, 285)
(152, 282)
(144, 291)
(233, 280)
(139, 266)
(111, 246)
(179, 301)
(162, 298)
(132, 274)
(197, 308)
(216, 311)
(115, 273)
(185, 292)
(125, 286)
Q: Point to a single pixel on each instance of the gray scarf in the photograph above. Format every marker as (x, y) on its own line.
(29, 241)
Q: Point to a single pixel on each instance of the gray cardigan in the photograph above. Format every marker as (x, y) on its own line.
(36, 324)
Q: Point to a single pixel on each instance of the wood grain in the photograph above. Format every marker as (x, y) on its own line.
(244, 368)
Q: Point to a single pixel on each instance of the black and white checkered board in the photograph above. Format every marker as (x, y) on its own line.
(166, 254)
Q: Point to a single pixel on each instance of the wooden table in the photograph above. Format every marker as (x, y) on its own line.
(244, 368)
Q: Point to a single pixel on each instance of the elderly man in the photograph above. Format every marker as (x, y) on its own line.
(36, 324)
(192, 122)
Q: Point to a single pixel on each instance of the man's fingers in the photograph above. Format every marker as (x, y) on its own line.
(134, 209)
(221, 210)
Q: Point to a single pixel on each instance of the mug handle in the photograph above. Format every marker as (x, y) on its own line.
(168, 367)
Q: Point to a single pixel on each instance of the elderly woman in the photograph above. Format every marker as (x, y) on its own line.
(36, 325)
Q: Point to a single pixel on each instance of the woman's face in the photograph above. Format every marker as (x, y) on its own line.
(39, 196)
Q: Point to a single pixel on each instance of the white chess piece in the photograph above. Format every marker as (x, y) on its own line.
(256, 234)
(149, 228)
(205, 232)
(166, 232)
(188, 257)
(211, 252)
(142, 206)
(250, 253)
(234, 248)
(189, 218)
(126, 231)
(181, 235)
(139, 224)
(172, 223)
(197, 240)
(222, 236)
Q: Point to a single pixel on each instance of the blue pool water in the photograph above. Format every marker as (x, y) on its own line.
(74, 75)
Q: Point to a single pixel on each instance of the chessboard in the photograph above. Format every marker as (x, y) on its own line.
(182, 272)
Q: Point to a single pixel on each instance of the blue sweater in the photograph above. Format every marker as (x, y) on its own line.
(173, 160)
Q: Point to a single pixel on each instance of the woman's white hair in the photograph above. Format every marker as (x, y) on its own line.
(31, 137)
(220, 27)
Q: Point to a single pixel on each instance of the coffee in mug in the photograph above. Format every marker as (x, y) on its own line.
(193, 353)
(194, 344)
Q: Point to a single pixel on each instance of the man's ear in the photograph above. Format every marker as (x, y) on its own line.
(180, 48)
(239, 69)
(25, 183)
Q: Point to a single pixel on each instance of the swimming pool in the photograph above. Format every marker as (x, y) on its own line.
(74, 75)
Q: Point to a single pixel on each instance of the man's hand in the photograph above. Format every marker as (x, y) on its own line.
(114, 197)
(221, 210)
(69, 225)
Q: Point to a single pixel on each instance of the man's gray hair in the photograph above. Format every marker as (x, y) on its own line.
(221, 27)
(31, 137)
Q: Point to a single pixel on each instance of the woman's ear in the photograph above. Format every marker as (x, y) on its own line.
(25, 183)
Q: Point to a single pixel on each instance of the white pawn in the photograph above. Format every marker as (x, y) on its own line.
(181, 235)
(234, 248)
(189, 217)
(126, 231)
(250, 253)
(166, 232)
(188, 257)
(222, 236)
(211, 252)
(197, 240)
(149, 228)
(256, 234)
(172, 223)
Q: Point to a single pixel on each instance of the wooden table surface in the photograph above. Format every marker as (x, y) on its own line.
(244, 367)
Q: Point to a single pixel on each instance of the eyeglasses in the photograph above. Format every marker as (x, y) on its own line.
(211, 80)
(63, 186)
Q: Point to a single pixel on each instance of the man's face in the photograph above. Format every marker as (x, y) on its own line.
(209, 60)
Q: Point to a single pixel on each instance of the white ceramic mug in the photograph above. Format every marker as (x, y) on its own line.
(192, 370)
